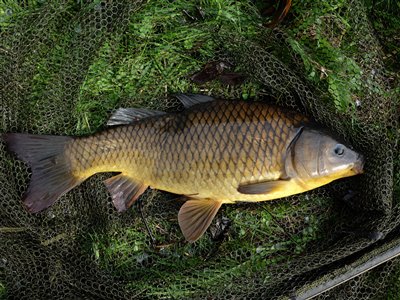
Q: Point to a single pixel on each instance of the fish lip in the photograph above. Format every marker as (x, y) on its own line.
(358, 166)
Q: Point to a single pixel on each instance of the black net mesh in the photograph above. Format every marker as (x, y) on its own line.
(65, 65)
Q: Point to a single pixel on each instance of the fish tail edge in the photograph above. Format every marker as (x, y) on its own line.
(51, 171)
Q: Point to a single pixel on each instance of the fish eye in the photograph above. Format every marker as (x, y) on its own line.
(339, 149)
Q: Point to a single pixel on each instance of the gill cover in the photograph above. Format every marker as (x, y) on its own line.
(313, 154)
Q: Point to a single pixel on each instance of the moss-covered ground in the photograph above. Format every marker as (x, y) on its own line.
(164, 44)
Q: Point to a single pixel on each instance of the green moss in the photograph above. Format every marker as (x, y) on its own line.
(10, 10)
(154, 59)
(393, 292)
(266, 235)
(166, 42)
(386, 23)
(327, 57)
(2, 291)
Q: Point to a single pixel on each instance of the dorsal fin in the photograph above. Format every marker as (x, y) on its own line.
(123, 116)
(189, 100)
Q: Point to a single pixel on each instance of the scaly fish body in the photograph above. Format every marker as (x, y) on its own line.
(215, 152)
(205, 152)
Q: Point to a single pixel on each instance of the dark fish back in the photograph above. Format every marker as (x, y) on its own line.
(223, 140)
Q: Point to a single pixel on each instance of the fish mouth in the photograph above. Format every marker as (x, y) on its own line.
(358, 166)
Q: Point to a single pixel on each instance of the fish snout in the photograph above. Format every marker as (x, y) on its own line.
(358, 167)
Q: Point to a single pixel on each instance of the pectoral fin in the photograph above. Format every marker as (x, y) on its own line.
(124, 191)
(263, 187)
(195, 217)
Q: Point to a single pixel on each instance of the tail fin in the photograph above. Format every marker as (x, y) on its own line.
(51, 175)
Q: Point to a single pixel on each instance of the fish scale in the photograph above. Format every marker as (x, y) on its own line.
(213, 147)
(213, 152)
(215, 144)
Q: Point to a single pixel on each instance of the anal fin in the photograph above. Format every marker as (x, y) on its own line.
(124, 191)
(195, 217)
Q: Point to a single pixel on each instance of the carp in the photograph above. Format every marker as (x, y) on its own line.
(214, 152)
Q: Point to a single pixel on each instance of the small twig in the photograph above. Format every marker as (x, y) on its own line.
(280, 226)
(12, 229)
(54, 239)
(140, 209)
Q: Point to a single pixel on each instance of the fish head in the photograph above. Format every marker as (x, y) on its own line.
(316, 158)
